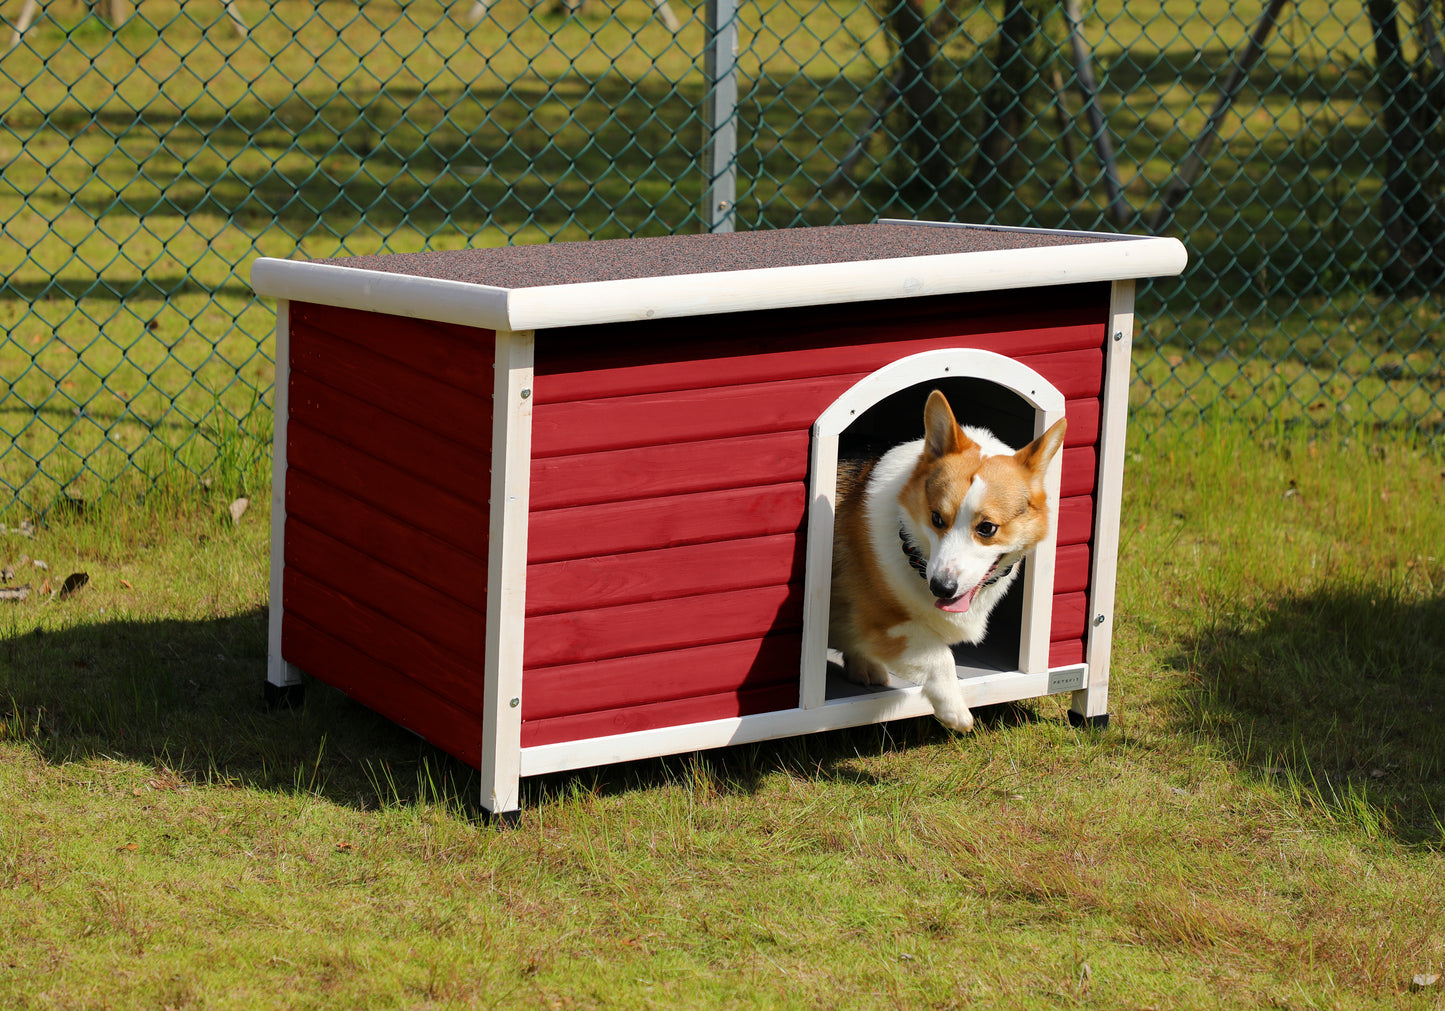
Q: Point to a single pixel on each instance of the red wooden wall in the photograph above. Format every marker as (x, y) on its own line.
(666, 544)
(389, 462)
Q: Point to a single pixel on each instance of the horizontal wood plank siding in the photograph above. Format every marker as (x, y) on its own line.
(662, 676)
(388, 454)
(666, 521)
(650, 716)
(387, 690)
(668, 494)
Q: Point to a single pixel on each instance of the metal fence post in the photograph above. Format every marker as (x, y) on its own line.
(720, 115)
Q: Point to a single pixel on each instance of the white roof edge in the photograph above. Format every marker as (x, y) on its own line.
(856, 281)
(592, 302)
(381, 291)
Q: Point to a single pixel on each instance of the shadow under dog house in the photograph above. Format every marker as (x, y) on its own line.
(557, 506)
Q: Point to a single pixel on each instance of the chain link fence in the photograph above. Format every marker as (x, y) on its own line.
(149, 151)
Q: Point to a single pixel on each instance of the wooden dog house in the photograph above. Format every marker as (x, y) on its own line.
(557, 506)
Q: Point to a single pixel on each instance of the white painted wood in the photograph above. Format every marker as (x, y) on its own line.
(1039, 568)
(824, 284)
(1108, 500)
(981, 689)
(1112, 258)
(507, 570)
(278, 671)
(818, 567)
(1048, 404)
(428, 298)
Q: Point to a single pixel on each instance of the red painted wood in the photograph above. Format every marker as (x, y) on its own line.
(1075, 374)
(747, 360)
(1071, 568)
(390, 490)
(610, 580)
(692, 416)
(643, 357)
(1076, 520)
(705, 414)
(1069, 651)
(385, 690)
(632, 629)
(454, 466)
(461, 357)
(1070, 616)
(413, 552)
(382, 639)
(682, 712)
(1080, 469)
(549, 692)
(669, 469)
(1083, 427)
(639, 524)
(458, 414)
(437, 616)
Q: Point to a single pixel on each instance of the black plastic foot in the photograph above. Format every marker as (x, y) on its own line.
(283, 696)
(503, 819)
(1089, 722)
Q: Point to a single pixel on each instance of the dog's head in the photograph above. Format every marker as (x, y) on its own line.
(976, 511)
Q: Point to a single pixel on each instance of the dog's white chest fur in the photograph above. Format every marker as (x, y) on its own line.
(885, 519)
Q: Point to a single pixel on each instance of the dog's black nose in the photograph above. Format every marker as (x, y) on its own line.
(943, 589)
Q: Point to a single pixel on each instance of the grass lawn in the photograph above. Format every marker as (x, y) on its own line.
(1261, 825)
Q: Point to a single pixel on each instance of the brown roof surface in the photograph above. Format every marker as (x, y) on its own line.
(662, 256)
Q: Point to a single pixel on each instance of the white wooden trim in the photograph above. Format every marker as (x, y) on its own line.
(278, 671)
(428, 298)
(1108, 501)
(972, 363)
(983, 688)
(507, 570)
(1112, 258)
(1040, 566)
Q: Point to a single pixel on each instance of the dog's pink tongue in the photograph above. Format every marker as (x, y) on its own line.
(958, 605)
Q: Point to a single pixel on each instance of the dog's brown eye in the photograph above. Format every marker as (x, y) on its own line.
(938, 520)
(987, 529)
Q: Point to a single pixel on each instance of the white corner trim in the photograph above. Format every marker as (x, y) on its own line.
(278, 671)
(1108, 501)
(507, 570)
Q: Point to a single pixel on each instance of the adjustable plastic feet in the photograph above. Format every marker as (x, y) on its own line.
(283, 696)
(1088, 722)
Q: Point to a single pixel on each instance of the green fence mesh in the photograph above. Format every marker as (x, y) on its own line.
(149, 152)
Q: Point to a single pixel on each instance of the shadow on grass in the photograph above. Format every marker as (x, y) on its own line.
(1338, 695)
(185, 697)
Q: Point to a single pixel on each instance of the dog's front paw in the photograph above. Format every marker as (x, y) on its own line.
(954, 717)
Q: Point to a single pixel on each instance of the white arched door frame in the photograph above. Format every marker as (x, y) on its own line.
(971, 363)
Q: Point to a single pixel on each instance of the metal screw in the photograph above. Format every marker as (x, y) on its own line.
(1098, 619)
(526, 394)
(515, 703)
(1119, 336)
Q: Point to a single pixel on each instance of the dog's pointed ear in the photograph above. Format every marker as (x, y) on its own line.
(941, 433)
(1035, 457)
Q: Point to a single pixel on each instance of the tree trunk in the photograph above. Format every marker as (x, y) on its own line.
(922, 137)
(1409, 204)
(1004, 105)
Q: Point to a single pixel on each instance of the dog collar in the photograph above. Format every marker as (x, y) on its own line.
(920, 564)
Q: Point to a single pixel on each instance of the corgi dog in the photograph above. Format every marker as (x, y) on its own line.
(927, 540)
